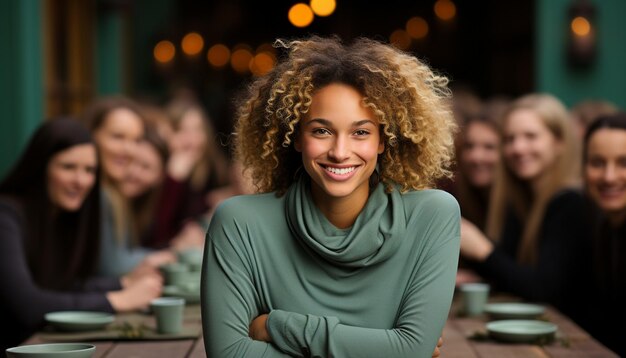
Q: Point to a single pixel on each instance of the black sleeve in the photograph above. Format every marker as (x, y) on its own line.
(560, 253)
(22, 303)
(101, 284)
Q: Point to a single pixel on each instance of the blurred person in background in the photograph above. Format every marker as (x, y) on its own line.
(143, 182)
(478, 155)
(196, 166)
(535, 233)
(477, 160)
(49, 236)
(585, 112)
(605, 184)
(118, 128)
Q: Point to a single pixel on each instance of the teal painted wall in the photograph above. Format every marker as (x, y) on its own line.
(606, 78)
(109, 53)
(21, 76)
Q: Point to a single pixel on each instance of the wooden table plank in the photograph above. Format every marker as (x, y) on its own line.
(165, 349)
(198, 349)
(455, 343)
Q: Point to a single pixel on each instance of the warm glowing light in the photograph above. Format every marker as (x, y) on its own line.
(164, 51)
(417, 27)
(262, 63)
(323, 7)
(445, 9)
(240, 59)
(581, 26)
(218, 55)
(400, 39)
(192, 43)
(300, 15)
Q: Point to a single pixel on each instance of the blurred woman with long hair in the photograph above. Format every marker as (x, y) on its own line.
(605, 184)
(195, 167)
(49, 235)
(535, 223)
(118, 127)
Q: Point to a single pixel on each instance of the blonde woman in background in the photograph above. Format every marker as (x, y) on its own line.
(196, 166)
(535, 230)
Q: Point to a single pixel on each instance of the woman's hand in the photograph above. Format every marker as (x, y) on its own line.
(258, 330)
(474, 244)
(137, 295)
(190, 236)
(437, 352)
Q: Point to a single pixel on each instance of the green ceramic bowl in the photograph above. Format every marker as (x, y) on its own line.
(498, 311)
(521, 331)
(52, 350)
(79, 320)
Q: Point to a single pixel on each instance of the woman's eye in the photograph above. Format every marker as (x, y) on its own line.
(596, 162)
(361, 132)
(320, 131)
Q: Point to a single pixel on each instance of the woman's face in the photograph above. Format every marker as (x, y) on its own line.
(480, 154)
(71, 176)
(530, 148)
(117, 139)
(340, 141)
(144, 172)
(191, 133)
(605, 170)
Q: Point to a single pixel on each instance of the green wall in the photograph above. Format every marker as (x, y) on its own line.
(605, 78)
(21, 76)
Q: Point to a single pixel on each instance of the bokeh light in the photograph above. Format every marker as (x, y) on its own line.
(400, 39)
(240, 59)
(300, 15)
(417, 27)
(445, 9)
(218, 55)
(262, 63)
(581, 26)
(164, 51)
(192, 44)
(323, 7)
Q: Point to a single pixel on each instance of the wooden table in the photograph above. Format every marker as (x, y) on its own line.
(457, 341)
(571, 340)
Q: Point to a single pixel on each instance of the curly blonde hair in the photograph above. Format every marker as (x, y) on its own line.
(408, 98)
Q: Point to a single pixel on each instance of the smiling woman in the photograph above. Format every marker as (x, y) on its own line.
(605, 183)
(346, 252)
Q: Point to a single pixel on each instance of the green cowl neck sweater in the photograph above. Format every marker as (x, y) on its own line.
(374, 237)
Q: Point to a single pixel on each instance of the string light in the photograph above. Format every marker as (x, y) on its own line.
(300, 15)
(164, 51)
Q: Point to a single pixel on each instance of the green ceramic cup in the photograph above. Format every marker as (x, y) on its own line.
(169, 314)
(474, 297)
(191, 257)
(52, 350)
(174, 273)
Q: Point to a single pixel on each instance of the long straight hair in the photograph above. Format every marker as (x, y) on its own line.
(213, 167)
(472, 200)
(510, 192)
(94, 117)
(61, 247)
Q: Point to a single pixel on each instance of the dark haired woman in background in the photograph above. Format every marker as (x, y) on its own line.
(49, 213)
(605, 184)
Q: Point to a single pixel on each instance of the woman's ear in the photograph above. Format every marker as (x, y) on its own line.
(381, 146)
